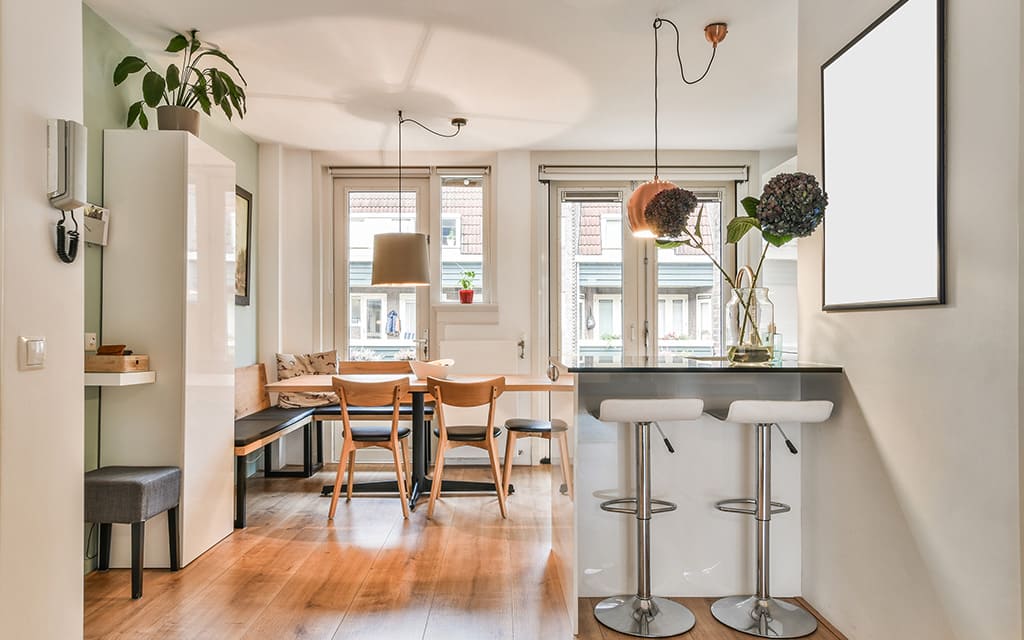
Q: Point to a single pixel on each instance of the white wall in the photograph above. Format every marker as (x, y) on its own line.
(40, 485)
(911, 493)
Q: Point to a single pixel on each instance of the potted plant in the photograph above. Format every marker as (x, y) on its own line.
(466, 284)
(176, 93)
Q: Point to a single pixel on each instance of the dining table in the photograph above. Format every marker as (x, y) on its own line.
(418, 392)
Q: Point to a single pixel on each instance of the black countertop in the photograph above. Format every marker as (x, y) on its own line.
(589, 364)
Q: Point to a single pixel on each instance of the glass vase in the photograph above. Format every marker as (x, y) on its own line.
(749, 324)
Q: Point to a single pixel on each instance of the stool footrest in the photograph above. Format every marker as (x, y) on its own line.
(664, 506)
(727, 506)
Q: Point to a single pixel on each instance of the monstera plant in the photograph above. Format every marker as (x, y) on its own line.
(176, 93)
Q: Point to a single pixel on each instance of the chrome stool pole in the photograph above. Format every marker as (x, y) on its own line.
(643, 614)
(760, 614)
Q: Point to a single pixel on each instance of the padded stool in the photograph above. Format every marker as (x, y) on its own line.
(642, 614)
(760, 614)
(534, 428)
(132, 495)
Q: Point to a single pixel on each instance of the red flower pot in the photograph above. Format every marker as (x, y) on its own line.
(466, 296)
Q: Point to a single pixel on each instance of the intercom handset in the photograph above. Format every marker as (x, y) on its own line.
(66, 179)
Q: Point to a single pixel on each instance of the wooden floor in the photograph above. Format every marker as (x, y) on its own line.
(465, 575)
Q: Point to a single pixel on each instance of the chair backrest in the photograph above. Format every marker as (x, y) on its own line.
(370, 394)
(467, 394)
(374, 366)
(251, 390)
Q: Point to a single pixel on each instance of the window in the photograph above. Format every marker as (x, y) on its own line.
(705, 318)
(611, 232)
(608, 317)
(463, 238)
(367, 318)
(673, 317)
(449, 231)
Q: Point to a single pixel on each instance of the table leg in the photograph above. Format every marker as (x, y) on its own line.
(240, 469)
(419, 483)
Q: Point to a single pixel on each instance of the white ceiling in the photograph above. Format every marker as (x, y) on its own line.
(528, 74)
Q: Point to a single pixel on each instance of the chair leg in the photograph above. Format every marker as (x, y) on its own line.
(563, 450)
(351, 474)
(172, 537)
(510, 450)
(492, 452)
(401, 481)
(408, 470)
(104, 545)
(138, 545)
(435, 482)
(337, 482)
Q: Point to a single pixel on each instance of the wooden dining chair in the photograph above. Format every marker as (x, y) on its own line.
(466, 394)
(372, 394)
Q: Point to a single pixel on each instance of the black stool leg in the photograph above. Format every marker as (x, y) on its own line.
(104, 545)
(172, 537)
(307, 450)
(138, 544)
(240, 469)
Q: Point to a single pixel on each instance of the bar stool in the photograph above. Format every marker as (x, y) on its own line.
(642, 614)
(760, 614)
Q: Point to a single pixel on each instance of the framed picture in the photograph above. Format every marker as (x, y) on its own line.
(243, 238)
(883, 154)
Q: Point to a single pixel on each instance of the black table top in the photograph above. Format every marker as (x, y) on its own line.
(590, 364)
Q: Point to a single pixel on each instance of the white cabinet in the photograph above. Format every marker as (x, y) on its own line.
(168, 291)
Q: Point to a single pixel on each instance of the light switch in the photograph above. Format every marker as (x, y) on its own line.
(31, 352)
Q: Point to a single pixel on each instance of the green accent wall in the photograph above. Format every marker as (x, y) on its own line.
(105, 108)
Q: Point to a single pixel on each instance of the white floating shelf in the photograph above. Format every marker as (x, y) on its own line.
(119, 379)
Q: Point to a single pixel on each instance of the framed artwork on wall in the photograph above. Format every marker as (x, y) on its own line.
(243, 238)
(883, 162)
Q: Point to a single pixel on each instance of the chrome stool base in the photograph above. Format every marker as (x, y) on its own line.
(625, 614)
(770, 618)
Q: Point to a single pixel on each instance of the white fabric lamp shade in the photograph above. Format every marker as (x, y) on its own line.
(400, 260)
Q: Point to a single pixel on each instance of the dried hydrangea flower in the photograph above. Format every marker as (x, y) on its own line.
(792, 204)
(669, 211)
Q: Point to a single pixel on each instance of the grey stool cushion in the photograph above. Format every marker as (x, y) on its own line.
(130, 494)
(532, 425)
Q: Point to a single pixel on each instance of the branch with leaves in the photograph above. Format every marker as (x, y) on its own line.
(188, 85)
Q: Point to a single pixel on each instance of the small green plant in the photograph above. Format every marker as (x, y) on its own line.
(188, 85)
(466, 281)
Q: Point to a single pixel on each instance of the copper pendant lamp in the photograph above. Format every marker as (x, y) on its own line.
(636, 208)
(402, 259)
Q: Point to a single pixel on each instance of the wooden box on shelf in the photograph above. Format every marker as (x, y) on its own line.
(116, 364)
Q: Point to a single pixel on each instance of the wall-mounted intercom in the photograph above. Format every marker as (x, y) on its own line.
(66, 179)
(66, 164)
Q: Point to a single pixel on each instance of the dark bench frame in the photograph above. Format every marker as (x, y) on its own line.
(259, 425)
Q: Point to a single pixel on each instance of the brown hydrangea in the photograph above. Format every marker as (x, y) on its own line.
(669, 211)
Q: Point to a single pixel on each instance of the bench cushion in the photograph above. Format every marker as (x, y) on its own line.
(130, 494)
(385, 412)
(264, 423)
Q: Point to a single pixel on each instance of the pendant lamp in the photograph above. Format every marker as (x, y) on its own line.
(636, 208)
(402, 259)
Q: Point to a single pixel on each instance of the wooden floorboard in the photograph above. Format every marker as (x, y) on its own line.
(465, 574)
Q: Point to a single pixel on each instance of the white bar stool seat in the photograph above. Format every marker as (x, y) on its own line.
(760, 614)
(642, 614)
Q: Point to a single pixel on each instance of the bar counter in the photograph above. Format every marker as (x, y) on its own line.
(695, 550)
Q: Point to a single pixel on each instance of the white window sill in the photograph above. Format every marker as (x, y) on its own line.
(456, 313)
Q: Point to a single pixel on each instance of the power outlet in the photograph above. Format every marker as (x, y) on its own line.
(90, 342)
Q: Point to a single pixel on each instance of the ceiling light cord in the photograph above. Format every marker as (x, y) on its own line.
(658, 23)
(458, 123)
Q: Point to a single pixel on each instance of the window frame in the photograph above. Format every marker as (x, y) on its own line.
(487, 291)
